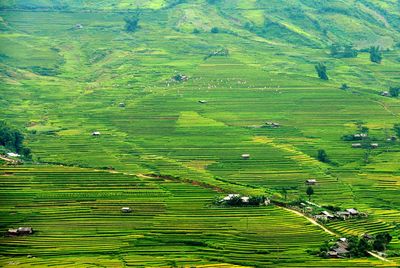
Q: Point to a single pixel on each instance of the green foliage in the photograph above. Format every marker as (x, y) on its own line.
(396, 128)
(394, 91)
(309, 192)
(381, 241)
(343, 51)
(132, 23)
(344, 87)
(321, 71)
(12, 139)
(358, 247)
(375, 54)
(214, 30)
(322, 156)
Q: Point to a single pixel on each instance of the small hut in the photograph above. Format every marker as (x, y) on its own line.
(374, 145)
(246, 156)
(311, 182)
(356, 145)
(126, 210)
(202, 101)
(121, 104)
(96, 133)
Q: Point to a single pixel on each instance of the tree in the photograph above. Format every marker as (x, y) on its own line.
(396, 129)
(344, 87)
(394, 91)
(381, 241)
(309, 192)
(132, 23)
(284, 192)
(321, 71)
(323, 156)
(375, 54)
(214, 30)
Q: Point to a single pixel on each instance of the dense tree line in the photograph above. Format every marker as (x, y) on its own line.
(12, 139)
(343, 51)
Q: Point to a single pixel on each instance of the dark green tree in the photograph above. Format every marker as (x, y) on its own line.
(132, 23)
(381, 241)
(214, 30)
(323, 156)
(396, 129)
(394, 91)
(375, 54)
(309, 192)
(321, 71)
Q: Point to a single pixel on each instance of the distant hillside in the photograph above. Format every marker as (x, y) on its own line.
(315, 23)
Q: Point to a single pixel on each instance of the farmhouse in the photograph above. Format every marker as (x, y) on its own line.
(342, 214)
(20, 231)
(327, 214)
(126, 210)
(352, 211)
(360, 136)
(311, 182)
(272, 124)
(78, 26)
(356, 145)
(230, 197)
(202, 101)
(121, 104)
(96, 133)
(340, 249)
(13, 155)
(246, 156)
(374, 145)
(385, 93)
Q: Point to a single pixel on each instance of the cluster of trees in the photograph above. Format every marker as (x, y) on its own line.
(343, 51)
(322, 156)
(12, 139)
(394, 91)
(375, 54)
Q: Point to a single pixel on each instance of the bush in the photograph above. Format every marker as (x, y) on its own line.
(214, 30)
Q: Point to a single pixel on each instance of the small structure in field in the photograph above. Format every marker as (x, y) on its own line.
(126, 210)
(202, 101)
(13, 155)
(272, 124)
(121, 104)
(356, 145)
(385, 94)
(246, 156)
(374, 145)
(352, 211)
(342, 215)
(78, 26)
(230, 197)
(360, 136)
(96, 133)
(367, 236)
(311, 182)
(20, 231)
(180, 78)
(327, 214)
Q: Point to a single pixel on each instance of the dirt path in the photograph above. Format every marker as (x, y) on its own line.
(312, 221)
(332, 233)
(7, 159)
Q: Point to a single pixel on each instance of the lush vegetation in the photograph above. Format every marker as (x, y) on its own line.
(173, 146)
(12, 139)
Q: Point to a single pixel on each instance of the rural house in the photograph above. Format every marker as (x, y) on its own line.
(96, 133)
(126, 210)
(311, 182)
(356, 145)
(246, 156)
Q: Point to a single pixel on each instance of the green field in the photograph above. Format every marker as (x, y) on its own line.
(60, 83)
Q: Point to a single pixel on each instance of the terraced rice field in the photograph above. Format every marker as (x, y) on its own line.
(76, 213)
(60, 83)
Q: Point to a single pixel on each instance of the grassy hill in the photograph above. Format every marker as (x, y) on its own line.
(65, 67)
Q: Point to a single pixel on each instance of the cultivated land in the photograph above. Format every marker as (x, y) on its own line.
(168, 156)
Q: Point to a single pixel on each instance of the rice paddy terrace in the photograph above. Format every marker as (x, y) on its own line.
(67, 68)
